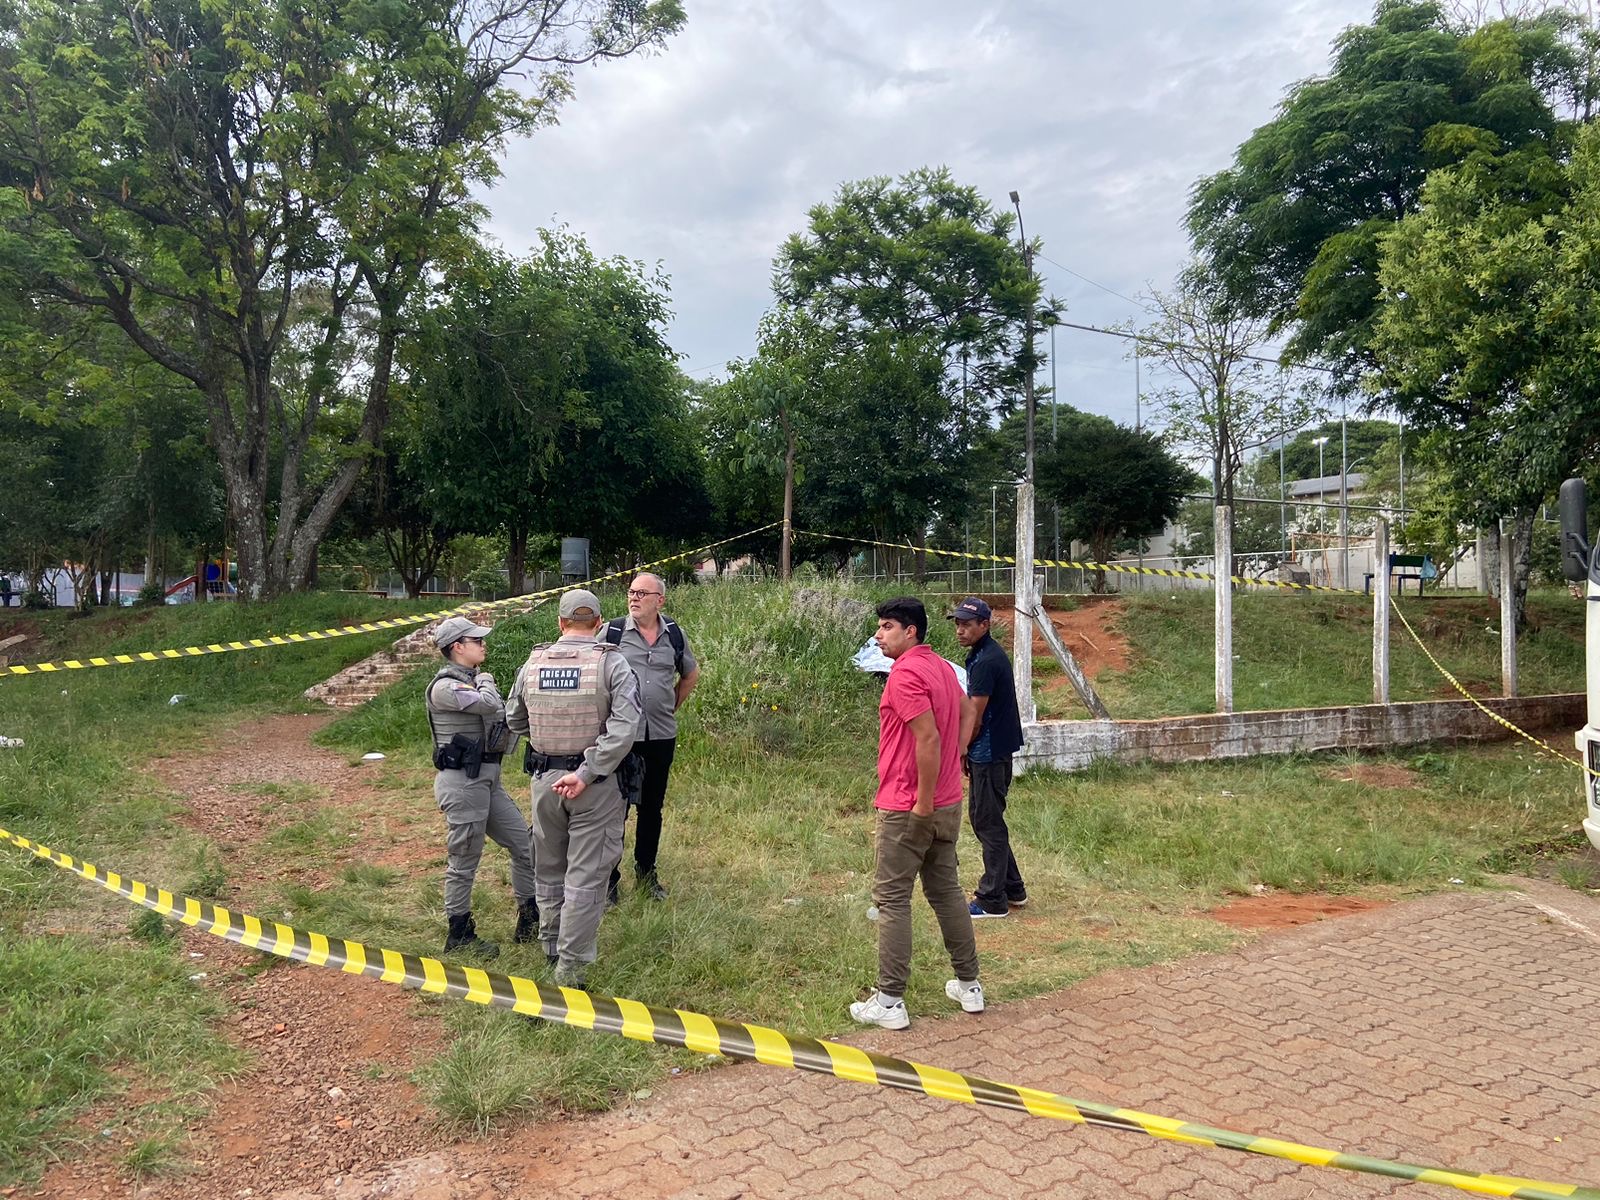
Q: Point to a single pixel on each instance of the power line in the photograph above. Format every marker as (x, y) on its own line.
(1095, 283)
(1145, 338)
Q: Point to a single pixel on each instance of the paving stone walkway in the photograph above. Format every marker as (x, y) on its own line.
(1458, 1031)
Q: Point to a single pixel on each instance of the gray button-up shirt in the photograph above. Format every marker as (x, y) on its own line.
(657, 675)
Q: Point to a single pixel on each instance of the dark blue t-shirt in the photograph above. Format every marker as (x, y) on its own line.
(999, 733)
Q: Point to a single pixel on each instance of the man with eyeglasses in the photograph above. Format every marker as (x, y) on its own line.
(667, 671)
(467, 718)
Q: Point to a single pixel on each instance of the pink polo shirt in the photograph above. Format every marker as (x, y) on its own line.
(919, 682)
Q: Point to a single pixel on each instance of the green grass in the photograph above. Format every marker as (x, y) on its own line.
(128, 1011)
(1294, 650)
(84, 1021)
(767, 850)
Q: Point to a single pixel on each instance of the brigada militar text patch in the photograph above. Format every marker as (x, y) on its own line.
(559, 679)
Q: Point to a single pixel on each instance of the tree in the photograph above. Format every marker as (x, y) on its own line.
(925, 259)
(1294, 227)
(547, 400)
(914, 295)
(1488, 332)
(1227, 404)
(1111, 482)
(253, 191)
(1362, 440)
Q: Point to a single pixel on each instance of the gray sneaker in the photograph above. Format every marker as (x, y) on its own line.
(968, 995)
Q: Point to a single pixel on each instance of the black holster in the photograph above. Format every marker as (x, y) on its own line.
(630, 777)
(535, 763)
(461, 753)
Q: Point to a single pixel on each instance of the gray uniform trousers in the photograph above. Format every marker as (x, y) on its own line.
(475, 809)
(577, 842)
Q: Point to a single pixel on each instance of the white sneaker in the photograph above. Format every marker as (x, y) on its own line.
(969, 996)
(873, 1011)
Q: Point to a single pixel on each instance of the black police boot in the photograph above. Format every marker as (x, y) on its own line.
(463, 935)
(527, 922)
(613, 893)
(652, 886)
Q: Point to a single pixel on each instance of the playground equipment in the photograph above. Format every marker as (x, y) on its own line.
(214, 578)
(1580, 563)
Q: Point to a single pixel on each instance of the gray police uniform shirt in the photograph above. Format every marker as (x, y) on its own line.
(657, 673)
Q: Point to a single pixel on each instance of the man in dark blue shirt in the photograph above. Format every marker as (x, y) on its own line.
(996, 736)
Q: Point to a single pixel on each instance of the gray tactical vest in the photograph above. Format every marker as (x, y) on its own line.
(564, 690)
(446, 722)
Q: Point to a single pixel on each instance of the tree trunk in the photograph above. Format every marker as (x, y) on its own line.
(1522, 568)
(517, 560)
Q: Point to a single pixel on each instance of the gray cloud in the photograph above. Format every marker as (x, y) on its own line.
(706, 156)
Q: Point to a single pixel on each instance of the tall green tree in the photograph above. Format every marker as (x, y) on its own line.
(1295, 226)
(253, 190)
(916, 294)
(545, 399)
(1487, 339)
(922, 259)
(1111, 482)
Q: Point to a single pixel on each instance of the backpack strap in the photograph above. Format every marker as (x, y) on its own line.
(616, 625)
(675, 636)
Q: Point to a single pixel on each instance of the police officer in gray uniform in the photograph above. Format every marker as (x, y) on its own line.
(578, 703)
(470, 738)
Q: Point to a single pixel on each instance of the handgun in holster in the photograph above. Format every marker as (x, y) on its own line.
(461, 753)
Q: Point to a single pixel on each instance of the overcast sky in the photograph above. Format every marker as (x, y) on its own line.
(1102, 116)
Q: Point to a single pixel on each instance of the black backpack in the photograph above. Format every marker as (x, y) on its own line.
(615, 627)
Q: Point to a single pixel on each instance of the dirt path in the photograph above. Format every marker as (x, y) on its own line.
(327, 1094)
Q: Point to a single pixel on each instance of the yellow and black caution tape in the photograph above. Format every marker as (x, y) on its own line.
(757, 1043)
(1120, 568)
(1539, 743)
(319, 635)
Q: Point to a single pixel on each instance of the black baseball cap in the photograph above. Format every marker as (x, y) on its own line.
(970, 609)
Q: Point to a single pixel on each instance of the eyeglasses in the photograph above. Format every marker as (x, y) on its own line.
(475, 640)
(638, 595)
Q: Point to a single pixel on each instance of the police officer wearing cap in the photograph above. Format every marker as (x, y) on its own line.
(578, 703)
(467, 718)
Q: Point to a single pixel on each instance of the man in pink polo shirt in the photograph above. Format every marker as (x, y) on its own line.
(918, 815)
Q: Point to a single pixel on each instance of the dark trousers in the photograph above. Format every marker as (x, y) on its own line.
(657, 754)
(1001, 880)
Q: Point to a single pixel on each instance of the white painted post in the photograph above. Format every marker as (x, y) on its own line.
(1508, 608)
(1223, 591)
(1380, 611)
(1022, 586)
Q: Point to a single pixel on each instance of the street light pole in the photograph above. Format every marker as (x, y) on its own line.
(1027, 262)
(1344, 501)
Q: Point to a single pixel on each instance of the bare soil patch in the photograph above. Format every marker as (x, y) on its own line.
(1285, 910)
(260, 778)
(1380, 775)
(1089, 632)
